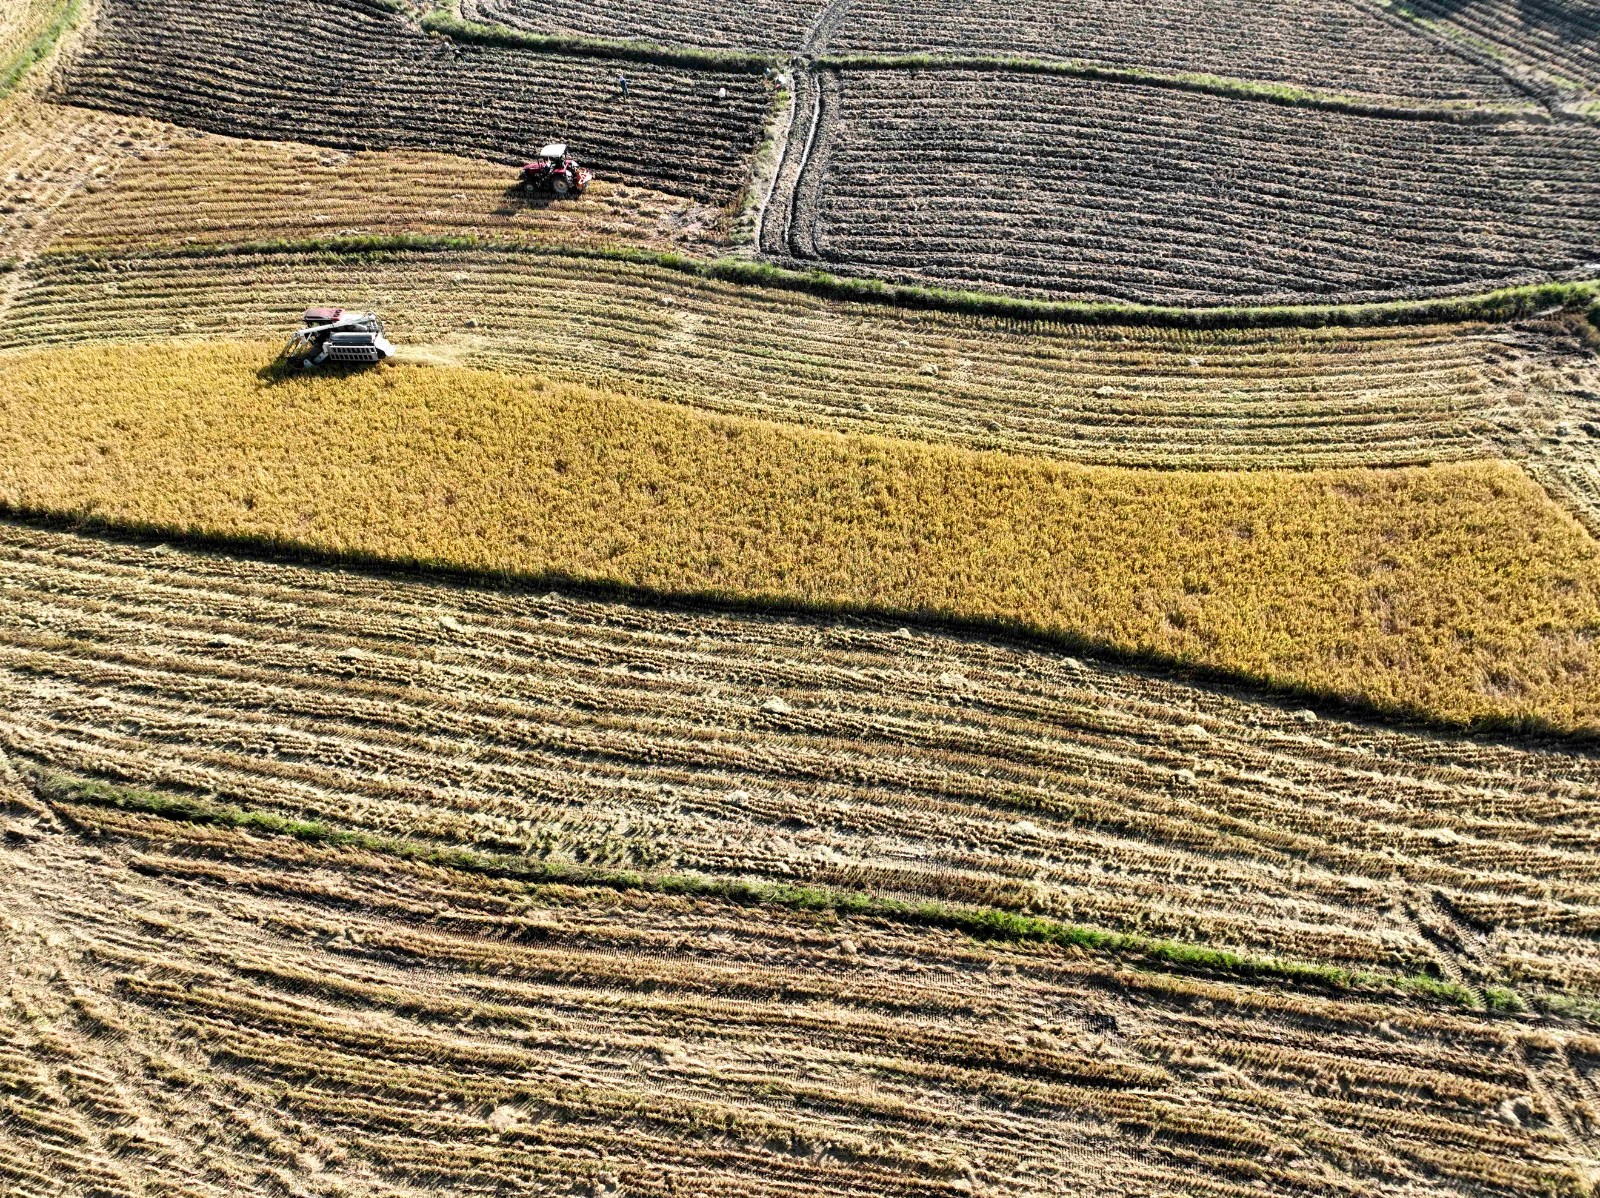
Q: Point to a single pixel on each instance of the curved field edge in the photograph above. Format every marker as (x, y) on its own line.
(1504, 304)
(1456, 593)
(449, 21)
(199, 976)
(61, 791)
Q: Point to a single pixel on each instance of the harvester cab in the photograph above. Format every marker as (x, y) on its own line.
(556, 172)
(334, 335)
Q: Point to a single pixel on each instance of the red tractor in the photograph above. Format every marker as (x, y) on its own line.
(554, 172)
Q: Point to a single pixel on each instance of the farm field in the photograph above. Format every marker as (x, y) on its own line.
(383, 84)
(1342, 48)
(1339, 582)
(274, 988)
(1328, 46)
(201, 188)
(766, 25)
(455, 1037)
(996, 611)
(1071, 189)
(1127, 396)
(1552, 45)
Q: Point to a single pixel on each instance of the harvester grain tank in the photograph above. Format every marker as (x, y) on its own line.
(334, 335)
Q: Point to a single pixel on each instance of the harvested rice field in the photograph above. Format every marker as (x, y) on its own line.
(1131, 396)
(1004, 605)
(191, 975)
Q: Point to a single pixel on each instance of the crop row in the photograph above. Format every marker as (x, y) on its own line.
(1325, 45)
(1122, 396)
(376, 82)
(347, 1016)
(772, 25)
(1065, 188)
(839, 753)
(1555, 43)
(200, 188)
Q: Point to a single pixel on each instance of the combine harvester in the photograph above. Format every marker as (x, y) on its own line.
(334, 335)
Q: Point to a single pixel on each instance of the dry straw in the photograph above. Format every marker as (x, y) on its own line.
(1460, 591)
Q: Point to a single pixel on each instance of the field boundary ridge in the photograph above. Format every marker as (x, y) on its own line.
(1470, 112)
(36, 51)
(1494, 306)
(985, 923)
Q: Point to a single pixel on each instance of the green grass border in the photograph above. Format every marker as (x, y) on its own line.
(458, 29)
(1503, 304)
(986, 923)
(1231, 87)
(36, 51)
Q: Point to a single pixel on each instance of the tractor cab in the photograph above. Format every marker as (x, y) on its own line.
(554, 171)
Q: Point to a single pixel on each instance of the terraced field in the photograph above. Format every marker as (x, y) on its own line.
(1550, 45)
(764, 25)
(201, 188)
(1328, 45)
(347, 882)
(1060, 187)
(1126, 396)
(380, 83)
(634, 1039)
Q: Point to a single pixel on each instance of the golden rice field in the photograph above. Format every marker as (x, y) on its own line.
(1457, 591)
(664, 736)
(204, 1009)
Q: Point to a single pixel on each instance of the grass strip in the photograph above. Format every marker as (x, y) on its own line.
(12, 71)
(1500, 305)
(984, 923)
(1460, 112)
(457, 28)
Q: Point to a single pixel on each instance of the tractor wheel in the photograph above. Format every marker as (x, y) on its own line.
(560, 186)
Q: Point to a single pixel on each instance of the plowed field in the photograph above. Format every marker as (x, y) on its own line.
(764, 25)
(1059, 187)
(377, 82)
(1549, 44)
(1324, 44)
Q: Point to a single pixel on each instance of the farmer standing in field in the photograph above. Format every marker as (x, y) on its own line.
(622, 85)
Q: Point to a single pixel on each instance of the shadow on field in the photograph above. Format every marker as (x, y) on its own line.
(516, 200)
(1528, 731)
(281, 370)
